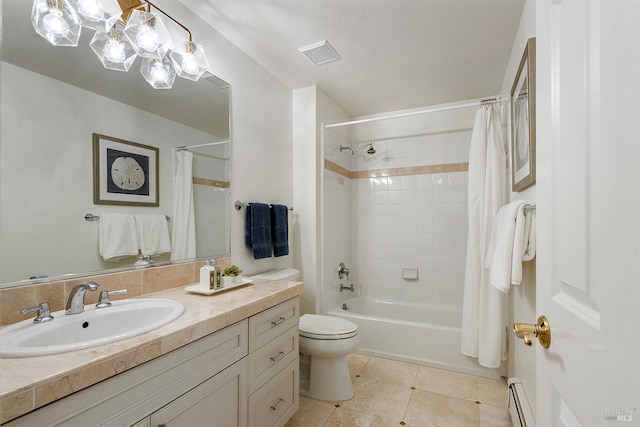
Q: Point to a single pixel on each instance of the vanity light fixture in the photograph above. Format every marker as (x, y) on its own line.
(56, 22)
(148, 35)
(99, 15)
(159, 73)
(113, 49)
(189, 60)
(144, 34)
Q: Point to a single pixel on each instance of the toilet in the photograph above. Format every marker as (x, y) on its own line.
(325, 342)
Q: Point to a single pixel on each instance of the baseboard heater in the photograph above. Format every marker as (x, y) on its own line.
(519, 408)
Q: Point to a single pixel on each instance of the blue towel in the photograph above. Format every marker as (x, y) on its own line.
(280, 230)
(258, 230)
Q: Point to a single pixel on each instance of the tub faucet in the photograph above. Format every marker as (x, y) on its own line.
(75, 303)
(347, 288)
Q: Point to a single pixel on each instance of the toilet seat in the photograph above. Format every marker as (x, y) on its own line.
(320, 327)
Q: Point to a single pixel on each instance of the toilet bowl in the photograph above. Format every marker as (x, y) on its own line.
(325, 342)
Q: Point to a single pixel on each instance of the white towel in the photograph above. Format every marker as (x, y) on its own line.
(504, 258)
(117, 236)
(153, 234)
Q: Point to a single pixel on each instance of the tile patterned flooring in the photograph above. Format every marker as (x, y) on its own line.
(391, 393)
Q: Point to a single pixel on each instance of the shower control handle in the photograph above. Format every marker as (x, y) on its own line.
(343, 271)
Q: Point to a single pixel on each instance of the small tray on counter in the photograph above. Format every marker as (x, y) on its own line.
(195, 289)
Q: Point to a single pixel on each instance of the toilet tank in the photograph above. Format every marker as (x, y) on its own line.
(279, 274)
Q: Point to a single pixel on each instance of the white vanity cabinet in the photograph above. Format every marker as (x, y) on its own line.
(244, 374)
(274, 367)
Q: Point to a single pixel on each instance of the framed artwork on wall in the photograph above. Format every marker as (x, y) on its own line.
(523, 121)
(124, 172)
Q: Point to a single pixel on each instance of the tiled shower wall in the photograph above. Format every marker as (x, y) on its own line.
(408, 209)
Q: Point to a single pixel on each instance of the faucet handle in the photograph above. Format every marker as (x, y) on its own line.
(343, 271)
(104, 297)
(44, 312)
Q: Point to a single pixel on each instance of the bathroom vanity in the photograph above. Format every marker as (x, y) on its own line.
(230, 360)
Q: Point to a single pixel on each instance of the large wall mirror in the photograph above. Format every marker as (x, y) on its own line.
(53, 99)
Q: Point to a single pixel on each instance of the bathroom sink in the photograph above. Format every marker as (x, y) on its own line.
(94, 326)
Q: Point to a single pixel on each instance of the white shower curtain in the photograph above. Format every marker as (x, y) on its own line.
(183, 235)
(484, 307)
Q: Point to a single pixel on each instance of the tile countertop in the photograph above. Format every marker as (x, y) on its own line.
(31, 382)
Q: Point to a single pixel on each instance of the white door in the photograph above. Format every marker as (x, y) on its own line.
(588, 197)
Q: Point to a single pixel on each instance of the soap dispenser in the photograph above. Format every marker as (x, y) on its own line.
(207, 276)
(216, 275)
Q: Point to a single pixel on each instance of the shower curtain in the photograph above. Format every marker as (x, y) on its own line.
(484, 307)
(183, 236)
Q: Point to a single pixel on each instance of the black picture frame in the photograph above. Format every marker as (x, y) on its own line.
(125, 172)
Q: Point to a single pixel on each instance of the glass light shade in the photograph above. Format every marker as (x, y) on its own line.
(159, 73)
(148, 35)
(99, 15)
(113, 49)
(56, 21)
(189, 60)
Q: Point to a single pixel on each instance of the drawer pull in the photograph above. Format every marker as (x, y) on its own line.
(277, 405)
(162, 425)
(278, 357)
(277, 322)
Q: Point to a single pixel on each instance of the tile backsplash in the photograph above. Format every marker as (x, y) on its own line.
(136, 282)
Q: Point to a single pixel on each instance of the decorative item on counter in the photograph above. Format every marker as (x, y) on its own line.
(207, 273)
(216, 282)
(210, 276)
(232, 276)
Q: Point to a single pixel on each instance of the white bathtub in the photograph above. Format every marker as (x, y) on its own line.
(411, 332)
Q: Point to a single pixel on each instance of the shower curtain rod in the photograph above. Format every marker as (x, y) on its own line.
(206, 144)
(415, 113)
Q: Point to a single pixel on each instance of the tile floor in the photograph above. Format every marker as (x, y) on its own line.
(392, 393)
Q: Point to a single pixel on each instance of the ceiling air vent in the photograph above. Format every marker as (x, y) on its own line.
(320, 52)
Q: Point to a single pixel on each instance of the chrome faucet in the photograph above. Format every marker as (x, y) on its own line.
(75, 303)
(347, 288)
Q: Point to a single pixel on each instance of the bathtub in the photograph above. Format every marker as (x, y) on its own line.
(411, 332)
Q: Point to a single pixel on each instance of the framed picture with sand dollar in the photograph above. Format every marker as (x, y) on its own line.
(124, 172)
(523, 121)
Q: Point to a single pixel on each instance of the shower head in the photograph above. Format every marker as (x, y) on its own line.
(371, 150)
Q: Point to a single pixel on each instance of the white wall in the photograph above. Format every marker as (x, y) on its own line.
(522, 299)
(305, 194)
(261, 123)
(311, 108)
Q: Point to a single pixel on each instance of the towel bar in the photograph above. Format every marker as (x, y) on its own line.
(529, 208)
(239, 205)
(91, 217)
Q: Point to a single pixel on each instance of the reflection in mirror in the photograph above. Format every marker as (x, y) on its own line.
(53, 100)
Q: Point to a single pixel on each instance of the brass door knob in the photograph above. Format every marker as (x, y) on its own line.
(541, 330)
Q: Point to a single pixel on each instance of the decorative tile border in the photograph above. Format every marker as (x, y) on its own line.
(413, 170)
(211, 182)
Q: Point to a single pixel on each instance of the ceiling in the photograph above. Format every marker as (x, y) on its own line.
(396, 54)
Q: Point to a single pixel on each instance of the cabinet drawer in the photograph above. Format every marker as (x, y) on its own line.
(219, 401)
(269, 359)
(267, 325)
(275, 402)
